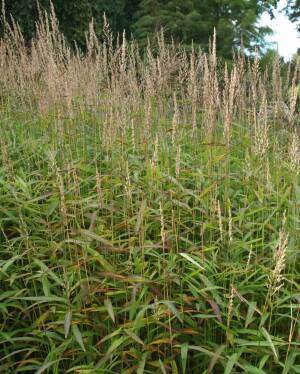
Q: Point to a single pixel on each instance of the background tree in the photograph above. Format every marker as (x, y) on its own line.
(293, 11)
(73, 15)
(186, 21)
(195, 20)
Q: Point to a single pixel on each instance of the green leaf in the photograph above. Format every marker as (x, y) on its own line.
(162, 367)
(111, 349)
(230, 363)
(44, 299)
(269, 339)
(252, 369)
(45, 268)
(134, 337)
(190, 259)
(67, 323)
(172, 308)
(78, 336)
(106, 266)
(263, 361)
(45, 366)
(250, 313)
(110, 309)
(174, 367)
(8, 263)
(142, 363)
(184, 352)
(215, 359)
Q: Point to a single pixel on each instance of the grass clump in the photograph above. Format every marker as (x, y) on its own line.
(149, 210)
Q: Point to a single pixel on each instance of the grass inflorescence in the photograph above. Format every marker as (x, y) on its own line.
(149, 209)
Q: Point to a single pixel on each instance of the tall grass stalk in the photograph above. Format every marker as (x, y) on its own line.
(142, 198)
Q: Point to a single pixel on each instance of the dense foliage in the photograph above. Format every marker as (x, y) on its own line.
(73, 15)
(149, 210)
(184, 20)
(293, 11)
(195, 20)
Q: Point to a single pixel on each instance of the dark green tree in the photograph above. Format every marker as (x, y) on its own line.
(73, 15)
(195, 20)
(186, 21)
(293, 11)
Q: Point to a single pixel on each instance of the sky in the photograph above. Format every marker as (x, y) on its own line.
(285, 33)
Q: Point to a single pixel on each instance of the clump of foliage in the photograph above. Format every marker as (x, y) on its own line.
(149, 209)
(186, 21)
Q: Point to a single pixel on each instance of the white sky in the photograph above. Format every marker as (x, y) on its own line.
(285, 33)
